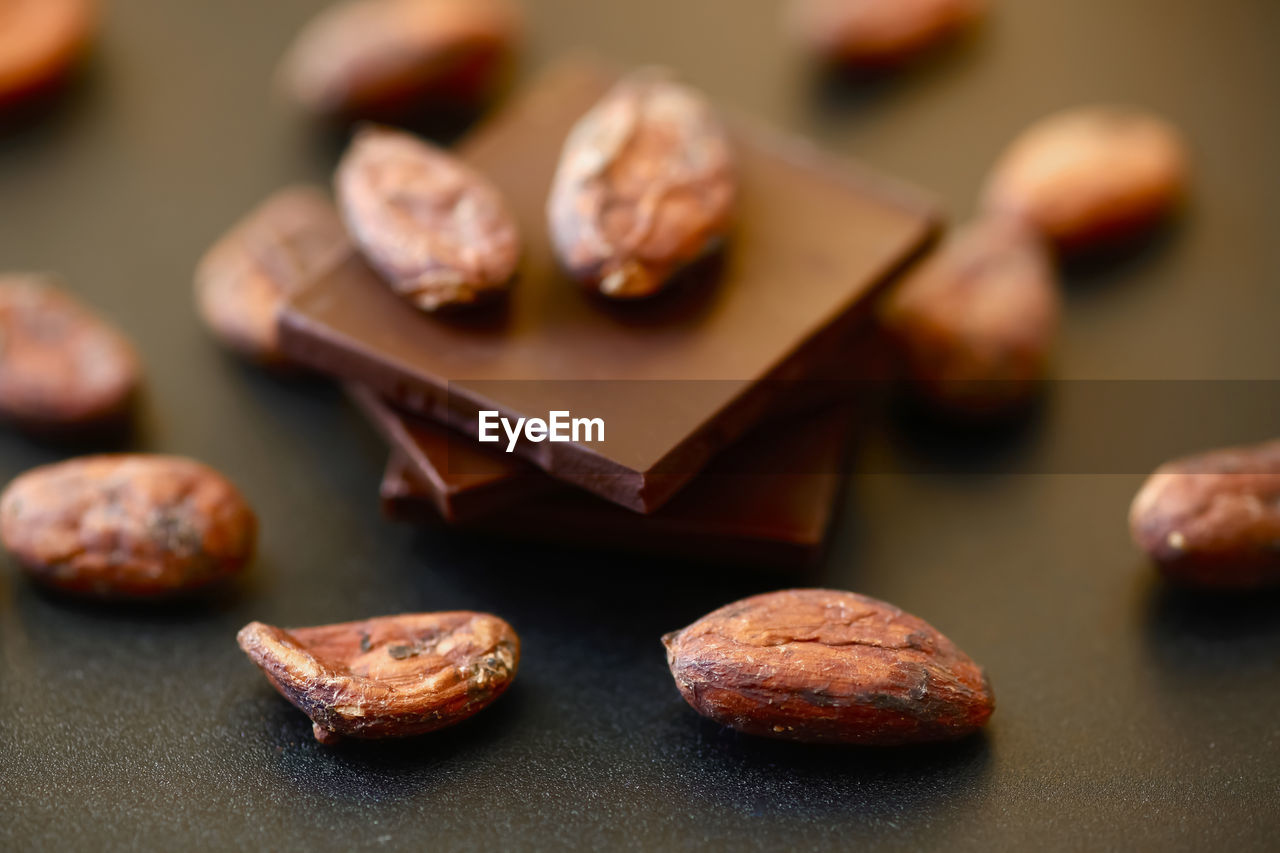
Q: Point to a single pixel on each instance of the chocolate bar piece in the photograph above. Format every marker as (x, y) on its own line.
(674, 379)
(453, 474)
(766, 501)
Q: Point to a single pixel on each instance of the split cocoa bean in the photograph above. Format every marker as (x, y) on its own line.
(62, 368)
(40, 42)
(438, 231)
(824, 666)
(976, 323)
(1091, 177)
(127, 526)
(878, 33)
(645, 187)
(1213, 520)
(384, 59)
(394, 676)
(242, 283)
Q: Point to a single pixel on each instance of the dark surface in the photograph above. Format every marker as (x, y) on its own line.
(677, 376)
(1129, 716)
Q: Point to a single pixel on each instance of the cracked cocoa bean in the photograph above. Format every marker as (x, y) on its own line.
(824, 666)
(1213, 520)
(645, 187)
(879, 33)
(385, 59)
(976, 322)
(438, 231)
(62, 368)
(1091, 177)
(127, 526)
(394, 676)
(242, 283)
(40, 42)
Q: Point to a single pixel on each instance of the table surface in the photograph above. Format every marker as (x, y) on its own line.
(1130, 716)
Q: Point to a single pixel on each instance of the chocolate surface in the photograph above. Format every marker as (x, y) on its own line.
(455, 476)
(676, 378)
(766, 501)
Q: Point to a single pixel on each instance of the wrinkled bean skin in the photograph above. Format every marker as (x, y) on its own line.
(127, 526)
(879, 33)
(62, 368)
(383, 59)
(242, 283)
(975, 323)
(40, 42)
(824, 666)
(645, 187)
(1213, 520)
(395, 676)
(1091, 178)
(438, 231)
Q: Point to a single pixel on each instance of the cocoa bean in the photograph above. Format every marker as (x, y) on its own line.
(127, 526)
(1091, 178)
(976, 322)
(62, 368)
(242, 283)
(645, 187)
(879, 33)
(386, 59)
(824, 666)
(1213, 520)
(393, 676)
(40, 42)
(437, 230)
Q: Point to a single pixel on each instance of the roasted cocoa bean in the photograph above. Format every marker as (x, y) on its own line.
(437, 230)
(127, 526)
(383, 59)
(823, 666)
(1213, 520)
(62, 368)
(976, 322)
(40, 42)
(879, 33)
(393, 676)
(1091, 177)
(242, 283)
(645, 186)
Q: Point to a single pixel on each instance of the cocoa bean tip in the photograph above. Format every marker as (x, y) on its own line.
(248, 635)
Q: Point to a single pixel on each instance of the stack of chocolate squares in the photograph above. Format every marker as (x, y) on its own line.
(710, 447)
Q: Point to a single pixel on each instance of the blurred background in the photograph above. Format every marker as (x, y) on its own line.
(1128, 716)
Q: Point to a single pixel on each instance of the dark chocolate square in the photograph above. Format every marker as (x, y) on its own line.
(675, 379)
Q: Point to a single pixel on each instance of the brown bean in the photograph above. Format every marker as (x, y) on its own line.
(394, 676)
(62, 368)
(879, 32)
(1091, 177)
(437, 230)
(645, 187)
(40, 42)
(824, 666)
(976, 322)
(382, 59)
(127, 526)
(242, 283)
(1213, 520)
